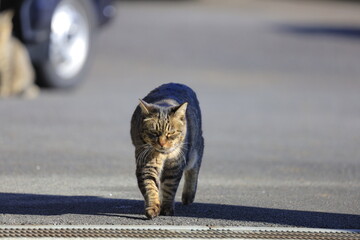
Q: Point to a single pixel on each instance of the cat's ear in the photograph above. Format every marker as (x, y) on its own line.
(8, 14)
(180, 111)
(145, 107)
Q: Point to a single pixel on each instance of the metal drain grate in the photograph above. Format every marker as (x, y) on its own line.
(152, 233)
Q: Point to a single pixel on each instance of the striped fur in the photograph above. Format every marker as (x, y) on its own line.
(167, 135)
(16, 72)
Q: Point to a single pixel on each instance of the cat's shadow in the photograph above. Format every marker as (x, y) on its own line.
(49, 205)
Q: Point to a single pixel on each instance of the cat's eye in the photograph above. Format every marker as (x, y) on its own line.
(172, 135)
(153, 134)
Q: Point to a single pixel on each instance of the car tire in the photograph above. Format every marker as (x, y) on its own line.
(69, 46)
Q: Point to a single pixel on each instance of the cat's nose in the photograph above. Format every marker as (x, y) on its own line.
(162, 141)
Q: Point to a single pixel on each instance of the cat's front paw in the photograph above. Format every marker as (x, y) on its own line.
(152, 212)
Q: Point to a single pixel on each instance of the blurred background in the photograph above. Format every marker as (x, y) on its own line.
(278, 83)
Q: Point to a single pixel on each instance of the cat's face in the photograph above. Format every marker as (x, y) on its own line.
(164, 128)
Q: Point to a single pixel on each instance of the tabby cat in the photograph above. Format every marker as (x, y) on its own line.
(16, 72)
(167, 135)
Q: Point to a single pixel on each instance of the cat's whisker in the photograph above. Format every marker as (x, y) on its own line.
(147, 153)
(184, 146)
(142, 156)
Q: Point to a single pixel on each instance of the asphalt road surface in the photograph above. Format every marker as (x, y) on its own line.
(279, 87)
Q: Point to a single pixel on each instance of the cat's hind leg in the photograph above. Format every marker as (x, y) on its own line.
(190, 186)
(191, 177)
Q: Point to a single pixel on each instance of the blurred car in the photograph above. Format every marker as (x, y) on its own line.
(58, 35)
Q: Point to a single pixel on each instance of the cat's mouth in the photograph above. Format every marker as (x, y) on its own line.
(165, 150)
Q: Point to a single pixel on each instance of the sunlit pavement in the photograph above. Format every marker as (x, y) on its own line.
(278, 83)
